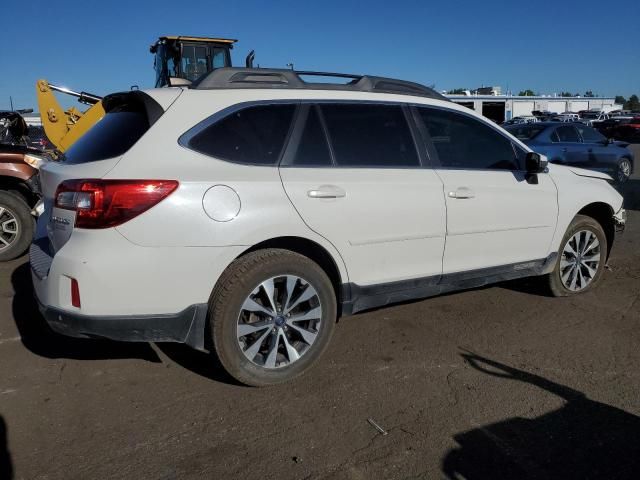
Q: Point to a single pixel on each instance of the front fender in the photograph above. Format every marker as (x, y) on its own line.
(575, 192)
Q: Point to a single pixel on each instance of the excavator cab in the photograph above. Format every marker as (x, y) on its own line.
(181, 60)
(178, 61)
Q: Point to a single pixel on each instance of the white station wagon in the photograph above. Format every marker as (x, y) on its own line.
(246, 213)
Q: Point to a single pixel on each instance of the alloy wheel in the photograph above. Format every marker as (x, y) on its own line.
(580, 260)
(279, 321)
(624, 171)
(9, 228)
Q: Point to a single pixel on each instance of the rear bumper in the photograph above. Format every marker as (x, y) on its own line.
(186, 326)
(127, 292)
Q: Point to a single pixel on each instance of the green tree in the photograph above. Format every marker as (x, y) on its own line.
(633, 103)
(566, 94)
(527, 93)
(589, 94)
(620, 99)
(457, 91)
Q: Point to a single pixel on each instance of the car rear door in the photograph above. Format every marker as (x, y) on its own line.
(496, 214)
(355, 176)
(572, 151)
(600, 155)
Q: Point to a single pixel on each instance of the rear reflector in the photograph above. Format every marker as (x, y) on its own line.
(108, 203)
(75, 293)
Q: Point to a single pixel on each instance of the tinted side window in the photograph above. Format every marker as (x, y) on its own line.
(313, 149)
(254, 135)
(567, 134)
(554, 137)
(464, 142)
(590, 135)
(369, 135)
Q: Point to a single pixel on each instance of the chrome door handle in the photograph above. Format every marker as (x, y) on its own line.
(327, 191)
(461, 193)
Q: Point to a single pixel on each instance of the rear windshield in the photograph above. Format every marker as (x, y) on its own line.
(111, 137)
(525, 132)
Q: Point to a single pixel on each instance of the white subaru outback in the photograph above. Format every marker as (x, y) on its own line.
(255, 207)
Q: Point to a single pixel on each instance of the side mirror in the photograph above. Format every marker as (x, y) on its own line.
(535, 163)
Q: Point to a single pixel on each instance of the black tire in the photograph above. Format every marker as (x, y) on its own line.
(237, 283)
(579, 223)
(624, 166)
(15, 208)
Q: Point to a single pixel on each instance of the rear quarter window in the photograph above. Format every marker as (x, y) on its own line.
(254, 135)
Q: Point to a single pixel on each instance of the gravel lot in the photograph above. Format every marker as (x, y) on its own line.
(500, 382)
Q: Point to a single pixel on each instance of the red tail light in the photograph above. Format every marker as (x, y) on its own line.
(108, 203)
(75, 293)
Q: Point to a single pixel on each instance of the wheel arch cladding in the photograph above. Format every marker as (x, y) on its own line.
(603, 214)
(311, 250)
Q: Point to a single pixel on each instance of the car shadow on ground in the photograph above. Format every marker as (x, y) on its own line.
(204, 364)
(41, 340)
(6, 465)
(583, 439)
(529, 285)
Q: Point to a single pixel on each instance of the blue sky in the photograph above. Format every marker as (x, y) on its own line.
(547, 46)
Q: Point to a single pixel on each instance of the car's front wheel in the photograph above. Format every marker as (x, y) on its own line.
(582, 257)
(624, 170)
(272, 314)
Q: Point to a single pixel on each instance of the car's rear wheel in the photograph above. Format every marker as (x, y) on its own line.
(16, 226)
(582, 257)
(272, 314)
(624, 170)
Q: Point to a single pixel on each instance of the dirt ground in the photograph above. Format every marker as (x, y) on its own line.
(495, 383)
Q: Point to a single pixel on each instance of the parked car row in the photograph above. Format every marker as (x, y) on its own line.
(626, 128)
(254, 217)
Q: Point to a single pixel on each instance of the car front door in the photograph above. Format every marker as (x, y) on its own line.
(496, 214)
(355, 176)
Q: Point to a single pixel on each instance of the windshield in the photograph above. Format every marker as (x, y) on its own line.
(590, 115)
(194, 61)
(525, 132)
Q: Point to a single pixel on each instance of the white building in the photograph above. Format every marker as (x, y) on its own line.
(503, 107)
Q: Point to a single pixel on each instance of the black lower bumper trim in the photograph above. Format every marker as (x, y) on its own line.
(186, 326)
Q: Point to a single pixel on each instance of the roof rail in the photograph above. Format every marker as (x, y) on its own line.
(234, 77)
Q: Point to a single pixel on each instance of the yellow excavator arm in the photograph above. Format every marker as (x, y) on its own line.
(65, 127)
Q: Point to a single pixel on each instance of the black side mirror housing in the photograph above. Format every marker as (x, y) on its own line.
(535, 163)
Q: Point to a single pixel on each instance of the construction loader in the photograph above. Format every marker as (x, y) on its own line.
(178, 60)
